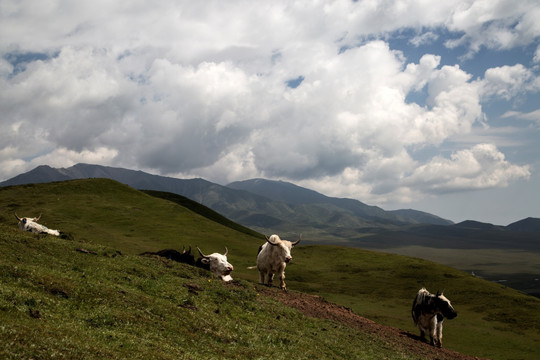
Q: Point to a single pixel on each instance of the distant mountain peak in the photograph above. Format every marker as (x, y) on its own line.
(529, 224)
(471, 224)
(279, 190)
(286, 203)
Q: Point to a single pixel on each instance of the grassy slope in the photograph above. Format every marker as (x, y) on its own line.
(201, 210)
(515, 268)
(494, 321)
(108, 213)
(59, 303)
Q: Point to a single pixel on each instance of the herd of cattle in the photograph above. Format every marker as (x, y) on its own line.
(428, 310)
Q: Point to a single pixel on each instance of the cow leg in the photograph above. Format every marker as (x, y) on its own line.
(270, 279)
(422, 330)
(438, 335)
(432, 336)
(433, 330)
(282, 281)
(266, 278)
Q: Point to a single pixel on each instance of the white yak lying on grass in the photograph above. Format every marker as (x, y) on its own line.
(30, 224)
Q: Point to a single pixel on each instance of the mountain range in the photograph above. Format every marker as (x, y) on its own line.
(256, 202)
(281, 207)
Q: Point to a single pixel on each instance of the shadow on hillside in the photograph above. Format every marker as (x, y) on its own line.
(412, 336)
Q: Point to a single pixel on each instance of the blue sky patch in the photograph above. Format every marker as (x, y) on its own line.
(20, 61)
(294, 83)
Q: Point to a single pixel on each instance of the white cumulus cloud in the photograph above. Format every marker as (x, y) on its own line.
(509, 81)
(206, 89)
(482, 166)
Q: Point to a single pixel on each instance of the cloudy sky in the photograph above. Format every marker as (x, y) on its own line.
(430, 105)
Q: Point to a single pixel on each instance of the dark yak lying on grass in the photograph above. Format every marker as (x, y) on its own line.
(185, 257)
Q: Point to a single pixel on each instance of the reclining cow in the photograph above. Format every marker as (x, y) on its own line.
(428, 312)
(30, 224)
(272, 259)
(217, 264)
(185, 257)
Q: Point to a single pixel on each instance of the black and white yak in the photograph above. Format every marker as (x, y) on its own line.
(428, 312)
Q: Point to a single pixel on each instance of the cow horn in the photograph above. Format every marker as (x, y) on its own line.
(226, 251)
(18, 218)
(297, 241)
(189, 250)
(184, 249)
(200, 252)
(39, 217)
(271, 243)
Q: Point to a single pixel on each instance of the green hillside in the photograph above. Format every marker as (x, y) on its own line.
(55, 300)
(60, 303)
(105, 212)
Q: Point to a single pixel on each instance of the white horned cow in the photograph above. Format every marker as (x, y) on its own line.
(272, 259)
(30, 224)
(428, 312)
(217, 264)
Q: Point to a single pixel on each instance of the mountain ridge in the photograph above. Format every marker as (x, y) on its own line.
(264, 204)
(249, 207)
(291, 193)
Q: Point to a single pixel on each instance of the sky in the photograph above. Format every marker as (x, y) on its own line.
(423, 104)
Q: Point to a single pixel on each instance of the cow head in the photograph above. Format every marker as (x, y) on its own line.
(187, 256)
(284, 247)
(217, 264)
(444, 306)
(25, 222)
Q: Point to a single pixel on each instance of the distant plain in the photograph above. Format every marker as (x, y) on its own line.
(515, 268)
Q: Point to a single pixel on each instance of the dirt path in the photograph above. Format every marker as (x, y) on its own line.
(317, 307)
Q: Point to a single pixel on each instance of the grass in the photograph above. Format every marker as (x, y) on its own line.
(59, 303)
(494, 321)
(111, 214)
(515, 268)
(201, 210)
(73, 304)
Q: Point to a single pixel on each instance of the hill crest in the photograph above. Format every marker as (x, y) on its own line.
(529, 225)
(257, 203)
